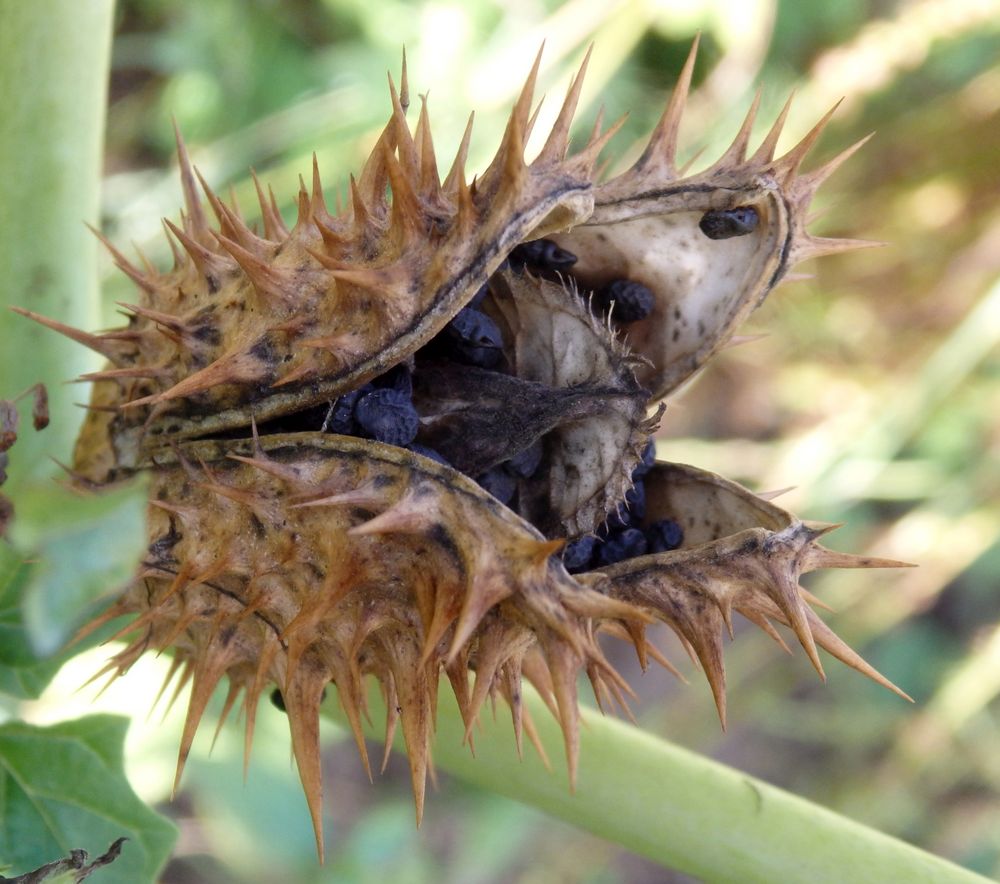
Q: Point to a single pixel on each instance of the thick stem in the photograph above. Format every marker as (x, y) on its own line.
(54, 63)
(673, 806)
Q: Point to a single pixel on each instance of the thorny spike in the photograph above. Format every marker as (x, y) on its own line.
(409, 515)
(362, 219)
(404, 85)
(832, 643)
(302, 698)
(197, 223)
(522, 107)
(405, 144)
(208, 669)
(274, 227)
(509, 159)
(662, 147)
(234, 204)
(92, 342)
(231, 695)
(533, 119)
(595, 130)
(811, 181)
(406, 212)
(736, 153)
(174, 250)
(282, 227)
(786, 595)
(122, 263)
(466, 217)
(144, 258)
(318, 200)
(819, 246)
(267, 281)
(167, 320)
(221, 212)
(818, 556)
(429, 179)
(175, 665)
(558, 140)
(564, 688)
(765, 153)
(128, 373)
(304, 217)
(228, 369)
(592, 150)
(208, 263)
(741, 340)
(788, 165)
(763, 623)
(461, 156)
(231, 225)
(773, 495)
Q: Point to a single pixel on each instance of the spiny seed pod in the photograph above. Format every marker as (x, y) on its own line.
(286, 556)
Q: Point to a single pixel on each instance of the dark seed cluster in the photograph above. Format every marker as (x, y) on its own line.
(624, 299)
(626, 534)
(384, 409)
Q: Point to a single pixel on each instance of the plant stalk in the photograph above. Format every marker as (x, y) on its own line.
(54, 65)
(673, 806)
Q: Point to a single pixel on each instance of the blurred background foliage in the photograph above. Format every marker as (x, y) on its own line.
(875, 392)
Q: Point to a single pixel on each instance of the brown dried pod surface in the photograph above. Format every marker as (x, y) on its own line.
(412, 437)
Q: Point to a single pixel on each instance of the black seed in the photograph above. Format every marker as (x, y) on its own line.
(632, 300)
(387, 416)
(525, 464)
(499, 483)
(632, 510)
(479, 296)
(622, 545)
(577, 555)
(664, 536)
(397, 378)
(429, 453)
(647, 461)
(341, 419)
(727, 223)
(635, 497)
(474, 338)
(541, 253)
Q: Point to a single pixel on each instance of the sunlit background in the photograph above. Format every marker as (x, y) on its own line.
(875, 392)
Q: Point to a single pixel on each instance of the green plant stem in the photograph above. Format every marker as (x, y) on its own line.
(54, 63)
(673, 806)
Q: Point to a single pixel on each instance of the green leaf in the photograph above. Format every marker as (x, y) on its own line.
(63, 788)
(86, 548)
(22, 673)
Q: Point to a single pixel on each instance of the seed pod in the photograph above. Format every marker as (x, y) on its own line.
(287, 553)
